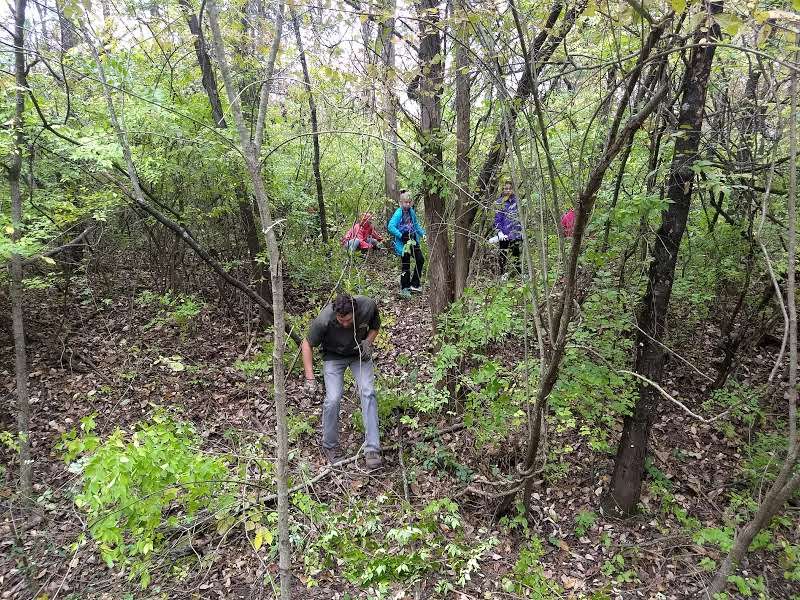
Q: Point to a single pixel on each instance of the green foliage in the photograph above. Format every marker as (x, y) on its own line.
(374, 548)
(615, 568)
(589, 390)
(133, 484)
(528, 576)
(790, 561)
(173, 309)
(584, 522)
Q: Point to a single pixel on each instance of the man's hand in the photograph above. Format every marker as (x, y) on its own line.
(310, 387)
(366, 350)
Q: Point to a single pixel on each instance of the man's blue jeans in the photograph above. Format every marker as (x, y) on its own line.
(364, 375)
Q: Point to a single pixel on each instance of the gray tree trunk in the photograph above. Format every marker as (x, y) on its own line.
(312, 106)
(16, 292)
(251, 156)
(463, 107)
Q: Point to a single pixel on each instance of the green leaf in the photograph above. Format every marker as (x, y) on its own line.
(678, 6)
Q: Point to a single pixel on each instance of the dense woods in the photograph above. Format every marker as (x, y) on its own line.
(590, 393)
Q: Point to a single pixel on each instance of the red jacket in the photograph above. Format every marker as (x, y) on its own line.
(362, 230)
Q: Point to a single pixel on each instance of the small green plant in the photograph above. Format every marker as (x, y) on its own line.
(175, 309)
(615, 568)
(134, 482)
(584, 522)
(528, 576)
(299, 425)
(374, 549)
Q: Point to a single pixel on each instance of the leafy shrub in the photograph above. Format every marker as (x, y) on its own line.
(589, 385)
(528, 576)
(373, 548)
(130, 481)
(176, 309)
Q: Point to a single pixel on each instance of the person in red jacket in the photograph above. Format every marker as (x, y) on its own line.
(362, 235)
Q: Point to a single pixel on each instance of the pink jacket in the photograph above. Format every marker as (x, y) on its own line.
(568, 222)
(362, 230)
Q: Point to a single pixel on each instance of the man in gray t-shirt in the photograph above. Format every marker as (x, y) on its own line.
(346, 329)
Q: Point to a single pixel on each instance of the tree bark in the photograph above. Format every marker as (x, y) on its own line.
(626, 481)
(209, 81)
(389, 106)
(431, 62)
(463, 108)
(250, 152)
(312, 106)
(16, 292)
(204, 61)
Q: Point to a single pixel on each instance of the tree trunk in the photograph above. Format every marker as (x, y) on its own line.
(787, 481)
(629, 465)
(68, 35)
(430, 137)
(16, 292)
(251, 155)
(386, 51)
(204, 61)
(312, 106)
(463, 108)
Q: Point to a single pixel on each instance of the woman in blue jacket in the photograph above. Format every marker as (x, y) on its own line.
(407, 232)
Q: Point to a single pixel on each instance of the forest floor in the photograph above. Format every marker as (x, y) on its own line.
(111, 354)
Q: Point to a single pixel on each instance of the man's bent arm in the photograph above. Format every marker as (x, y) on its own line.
(371, 335)
(308, 354)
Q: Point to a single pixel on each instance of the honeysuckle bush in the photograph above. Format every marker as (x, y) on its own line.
(135, 485)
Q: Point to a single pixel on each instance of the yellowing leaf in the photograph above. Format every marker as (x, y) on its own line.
(9, 230)
(678, 6)
(48, 260)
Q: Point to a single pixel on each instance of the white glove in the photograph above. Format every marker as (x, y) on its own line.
(310, 387)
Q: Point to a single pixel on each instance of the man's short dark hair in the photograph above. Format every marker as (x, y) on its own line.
(344, 304)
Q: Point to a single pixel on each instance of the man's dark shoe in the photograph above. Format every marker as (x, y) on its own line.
(332, 454)
(374, 460)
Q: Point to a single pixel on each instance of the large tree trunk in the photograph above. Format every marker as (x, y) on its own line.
(206, 69)
(461, 233)
(389, 106)
(430, 136)
(629, 466)
(17, 315)
(312, 106)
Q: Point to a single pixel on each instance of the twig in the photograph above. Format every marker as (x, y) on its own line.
(671, 399)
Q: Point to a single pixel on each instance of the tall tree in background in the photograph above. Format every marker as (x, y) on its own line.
(385, 48)
(17, 315)
(626, 482)
(463, 108)
(429, 96)
(245, 205)
(312, 106)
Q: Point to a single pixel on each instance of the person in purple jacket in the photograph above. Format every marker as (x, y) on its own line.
(508, 227)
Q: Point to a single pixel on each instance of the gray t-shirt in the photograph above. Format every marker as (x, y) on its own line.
(337, 341)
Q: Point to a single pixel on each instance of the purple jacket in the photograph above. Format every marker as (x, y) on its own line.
(506, 219)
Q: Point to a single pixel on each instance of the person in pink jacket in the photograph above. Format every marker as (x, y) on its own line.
(362, 235)
(568, 222)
